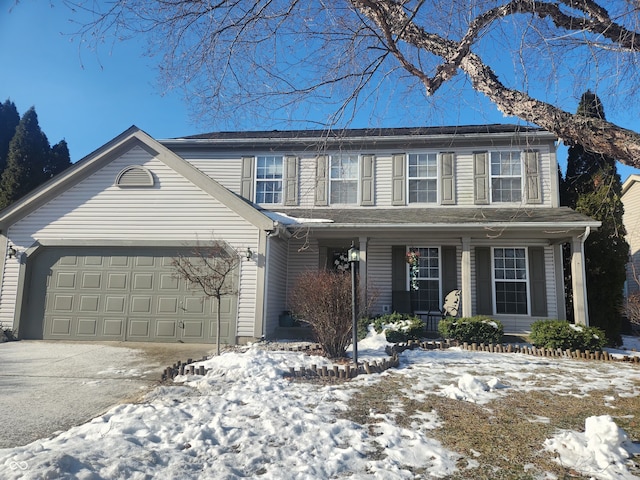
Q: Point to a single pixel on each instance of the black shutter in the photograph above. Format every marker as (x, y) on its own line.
(400, 297)
(484, 299)
(537, 282)
(449, 270)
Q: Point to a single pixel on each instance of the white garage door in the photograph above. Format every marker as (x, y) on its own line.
(128, 294)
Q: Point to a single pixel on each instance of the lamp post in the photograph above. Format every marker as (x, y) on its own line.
(354, 257)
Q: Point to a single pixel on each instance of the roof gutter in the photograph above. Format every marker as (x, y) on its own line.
(449, 226)
(279, 231)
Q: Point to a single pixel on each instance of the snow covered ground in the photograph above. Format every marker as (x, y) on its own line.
(243, 419)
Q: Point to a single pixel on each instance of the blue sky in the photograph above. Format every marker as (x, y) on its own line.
(88, 98)
(80, 96)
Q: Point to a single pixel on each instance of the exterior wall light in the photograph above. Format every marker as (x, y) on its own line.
(354, 254)
(248, 254)
(12, 252)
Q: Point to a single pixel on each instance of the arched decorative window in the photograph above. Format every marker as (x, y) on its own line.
(134, 176)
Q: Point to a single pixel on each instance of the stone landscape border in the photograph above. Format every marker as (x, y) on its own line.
(347, 371)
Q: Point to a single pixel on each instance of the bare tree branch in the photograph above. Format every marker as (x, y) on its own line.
(270, 57)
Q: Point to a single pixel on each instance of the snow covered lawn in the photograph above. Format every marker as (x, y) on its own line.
(244, 420)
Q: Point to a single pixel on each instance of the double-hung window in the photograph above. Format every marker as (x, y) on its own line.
(510, 280)
(269, 179)
(423, 178)
(344, 179)
(427, 279)
(506, 176)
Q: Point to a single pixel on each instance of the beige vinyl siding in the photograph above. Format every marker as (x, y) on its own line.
(247, 299)
(301, 259)
(379, 267)
(383, 180)
(379, 273)
(549, 270)
(9, 293)
(173, 210)
(631, 219)
(226, 171)
(307, 176)
(276, 286)
(463, 177)
(97, 209)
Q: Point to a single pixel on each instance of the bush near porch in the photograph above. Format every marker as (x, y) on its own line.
(322, 298)
(399, 327)
(478, 329)
(564, 335)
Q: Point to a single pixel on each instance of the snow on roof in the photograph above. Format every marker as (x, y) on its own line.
(285, 219)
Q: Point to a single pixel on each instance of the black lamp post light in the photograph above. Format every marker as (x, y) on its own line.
(354, 258)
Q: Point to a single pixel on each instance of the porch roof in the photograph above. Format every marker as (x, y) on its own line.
(547, 222)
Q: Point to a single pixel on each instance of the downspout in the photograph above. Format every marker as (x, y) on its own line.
(266, 284)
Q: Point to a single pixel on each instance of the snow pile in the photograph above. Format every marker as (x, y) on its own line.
(601, 451)
(472, 389)
(244, 419)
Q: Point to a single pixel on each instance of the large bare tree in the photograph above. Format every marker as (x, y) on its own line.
(531, 59)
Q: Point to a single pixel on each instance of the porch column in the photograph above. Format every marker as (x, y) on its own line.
(363, 268)
(558, 261)
(465, 271)
(578, 282)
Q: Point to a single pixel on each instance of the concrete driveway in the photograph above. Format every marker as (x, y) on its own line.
(51, 386)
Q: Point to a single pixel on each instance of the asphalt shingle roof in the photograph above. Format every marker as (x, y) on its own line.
(367, 132)
(440, 216)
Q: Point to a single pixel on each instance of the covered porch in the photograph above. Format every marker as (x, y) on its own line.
(506, 263)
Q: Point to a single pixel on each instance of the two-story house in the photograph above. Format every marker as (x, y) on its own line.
(88, 255)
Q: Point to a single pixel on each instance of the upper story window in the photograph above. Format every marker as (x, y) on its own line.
(423, 178)
(506, 177)
(269, 169)
(343, 176)
(510, 277)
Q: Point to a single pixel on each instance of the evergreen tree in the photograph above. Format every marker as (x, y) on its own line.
(29, 153)
(592, 186)
(9, 120)
(59, 159)
(583, 166)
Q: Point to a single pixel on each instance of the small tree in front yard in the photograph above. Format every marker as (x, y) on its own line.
(322, 298)
(211, 269)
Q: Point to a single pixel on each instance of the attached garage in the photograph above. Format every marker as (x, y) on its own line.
(124, 294)
(88, 255)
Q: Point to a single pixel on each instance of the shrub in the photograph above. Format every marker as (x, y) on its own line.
(562, 334)
(478, 329)
(631, 308)
(322, 298)
(399, 327)
(363, 327)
